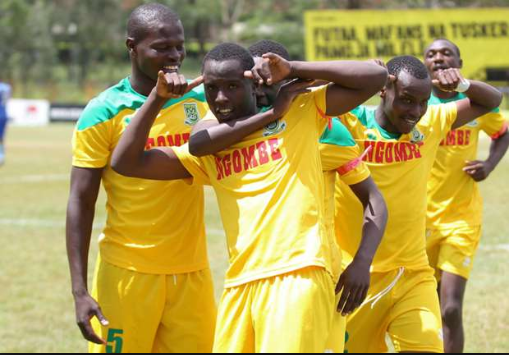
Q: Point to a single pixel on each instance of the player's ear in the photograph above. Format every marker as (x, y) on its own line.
(461, 63)
(383, 92)
(130, 44)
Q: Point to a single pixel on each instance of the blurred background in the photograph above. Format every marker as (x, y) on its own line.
(58, 54)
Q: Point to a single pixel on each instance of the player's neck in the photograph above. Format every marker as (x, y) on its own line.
(444, 95)
(141, 83)
(384, 122)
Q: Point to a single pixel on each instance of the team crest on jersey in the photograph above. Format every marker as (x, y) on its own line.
(473, 124)
(274, 128)
(192, 114)
(416, 136)
(371, 135)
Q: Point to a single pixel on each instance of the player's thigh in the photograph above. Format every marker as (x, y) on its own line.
(458, 252)
(189, 318)
(295, 312)
(234, 328)
(366, 328)
(416, 323)
(133, 304)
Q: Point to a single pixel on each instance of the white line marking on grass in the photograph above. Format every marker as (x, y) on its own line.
(40, 223)
(496, 247)
(34, 179)
(46, 223)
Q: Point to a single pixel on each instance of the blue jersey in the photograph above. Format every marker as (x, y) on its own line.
(5, 94)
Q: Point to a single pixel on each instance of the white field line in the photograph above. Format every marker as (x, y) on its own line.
(33, 179)
(45, 223)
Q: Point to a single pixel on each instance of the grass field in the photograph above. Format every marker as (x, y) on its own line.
(36, 308)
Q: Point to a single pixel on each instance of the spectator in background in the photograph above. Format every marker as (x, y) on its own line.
(5, 94)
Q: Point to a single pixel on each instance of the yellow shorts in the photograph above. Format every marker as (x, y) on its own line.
(288, 313)
(453, 250)
(409, 312)
(154, 313)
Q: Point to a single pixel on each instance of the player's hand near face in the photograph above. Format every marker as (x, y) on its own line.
(288, 93)
(86, 309)
(271, 69)
(174, 85)
(449, 80)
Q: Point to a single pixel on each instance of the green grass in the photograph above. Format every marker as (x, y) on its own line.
(36, 307)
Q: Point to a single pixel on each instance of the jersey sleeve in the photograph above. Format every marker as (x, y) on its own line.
(494, 124)
(340, 152)
(92, 139)
(194, 165)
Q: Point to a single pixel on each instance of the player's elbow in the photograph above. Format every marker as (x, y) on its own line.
(120, 166)
(198, 146)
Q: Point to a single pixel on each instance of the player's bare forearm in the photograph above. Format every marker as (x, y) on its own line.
(498, 150)
(129, 155)
(375, 219)
(482, 98)
(210, 137)
(85, 184)
(353, 82)
(130, 158)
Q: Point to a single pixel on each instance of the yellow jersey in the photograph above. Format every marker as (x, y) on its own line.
(341, 159)
(400, 166)
(270, 192)
(454, 199)
(154, 227)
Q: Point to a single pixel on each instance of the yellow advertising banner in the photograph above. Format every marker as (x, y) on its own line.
(481, 34)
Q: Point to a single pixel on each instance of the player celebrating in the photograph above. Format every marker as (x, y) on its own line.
(454, 201)
(279, 292)
(153, 289)
(403, 135)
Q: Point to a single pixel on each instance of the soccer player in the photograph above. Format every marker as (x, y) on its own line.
(152, 289)
(339, 154)
(5, 94)
(279, 289)
(403, 135)
(454, 201)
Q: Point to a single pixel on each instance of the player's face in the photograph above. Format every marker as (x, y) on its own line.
(161, 49)
(229, 94)
(441, 55)
(406, 101)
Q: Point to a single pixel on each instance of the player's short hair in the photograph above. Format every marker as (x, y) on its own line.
(267, 46)
(456, 48)
(230, 51)
(147, 16)
(409, 64)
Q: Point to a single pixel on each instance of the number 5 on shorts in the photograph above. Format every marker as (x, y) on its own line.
(115, 341)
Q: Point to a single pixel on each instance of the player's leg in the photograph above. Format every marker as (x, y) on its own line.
(452, 292)
(132, 303)
(294, 312)
(3, 124)
(455, 263)
(234, 328)
(366, 328)
(416, 324)
(189, 318)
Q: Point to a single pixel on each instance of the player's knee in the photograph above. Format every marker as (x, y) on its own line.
(452, 313)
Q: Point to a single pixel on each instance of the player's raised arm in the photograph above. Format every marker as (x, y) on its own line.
(212, 136)
(352, 82)
(130, 158)
(482, 98)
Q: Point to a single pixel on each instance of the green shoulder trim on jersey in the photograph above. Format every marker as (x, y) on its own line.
(361, 114)
(434, 100)
(339, 135)
(122, 97)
